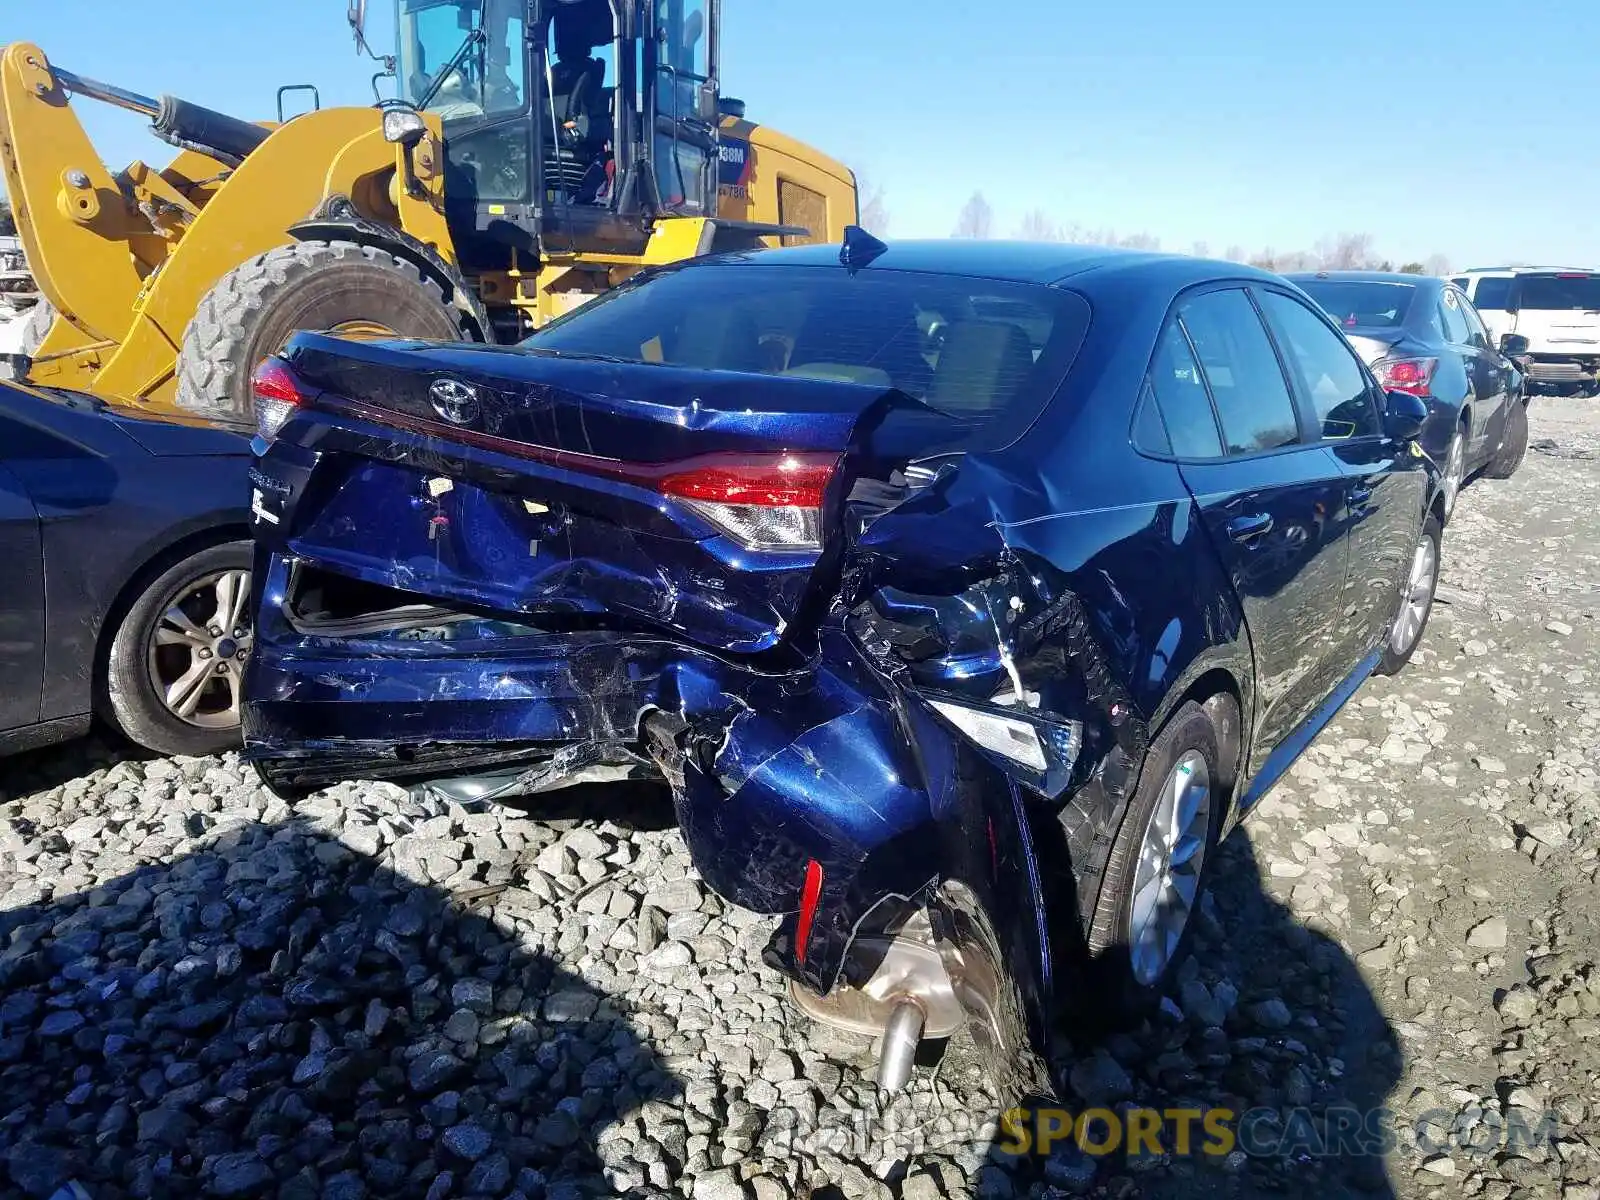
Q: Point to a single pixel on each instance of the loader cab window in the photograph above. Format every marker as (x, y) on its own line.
(577, 111)
(491, 79)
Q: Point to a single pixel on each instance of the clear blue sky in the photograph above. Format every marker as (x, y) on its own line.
(1234, 122)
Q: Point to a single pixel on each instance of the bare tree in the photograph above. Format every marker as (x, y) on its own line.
(1436, 264)
(1137, 241)
(1037, 226)
(1412, 268)
(1234, 253)
(976, 219)
(1346, 252)
(1200, 249)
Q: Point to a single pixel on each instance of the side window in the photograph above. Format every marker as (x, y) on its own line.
(1242, 370)
(1149, 432)
(1477, 332)
(1455, 325)
(1181, 393)
(1462, 282)
(1330, 376)
(1493, 292)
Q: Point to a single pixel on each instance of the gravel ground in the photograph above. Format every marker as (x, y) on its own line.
(204, 990)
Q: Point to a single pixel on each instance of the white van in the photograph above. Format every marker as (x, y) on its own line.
(1556, 308)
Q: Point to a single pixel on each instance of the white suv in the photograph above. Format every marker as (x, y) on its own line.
(1556, 308)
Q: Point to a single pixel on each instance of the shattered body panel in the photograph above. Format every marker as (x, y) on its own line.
(806, 707)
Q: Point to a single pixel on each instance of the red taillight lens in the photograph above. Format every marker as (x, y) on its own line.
(276, 392)
(792, 481)
(1412, 375)
(767, 502)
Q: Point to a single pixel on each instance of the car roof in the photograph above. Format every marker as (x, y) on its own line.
(1364, 277)
(1017, 262)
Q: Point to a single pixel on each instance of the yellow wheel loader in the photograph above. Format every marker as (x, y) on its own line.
(539, 153)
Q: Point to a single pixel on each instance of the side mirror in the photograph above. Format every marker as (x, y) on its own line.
(1404, 415)
(1514, 345)
(357, 16)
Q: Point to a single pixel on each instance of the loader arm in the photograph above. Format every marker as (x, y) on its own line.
(89, 255)
(126, 260)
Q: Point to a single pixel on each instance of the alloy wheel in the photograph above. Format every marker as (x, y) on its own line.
(199, 647)
(1455, 470)
(1416, 599)
(1166, 882)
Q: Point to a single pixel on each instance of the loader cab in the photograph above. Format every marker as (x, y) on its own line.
(569, 124)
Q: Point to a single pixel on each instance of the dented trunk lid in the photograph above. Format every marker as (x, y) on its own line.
(574, 490)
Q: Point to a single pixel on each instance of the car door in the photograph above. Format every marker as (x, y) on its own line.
(1458, 344)
(1491, 378)
(1383, 491)
(21, 600)
(1268, 494)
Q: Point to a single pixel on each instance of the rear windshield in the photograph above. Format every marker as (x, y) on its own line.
(1559, 292)
(1362, 305)
(989, 354)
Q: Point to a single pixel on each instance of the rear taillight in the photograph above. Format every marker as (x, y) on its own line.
(277, 392)
(1412, 375)
(768, 502)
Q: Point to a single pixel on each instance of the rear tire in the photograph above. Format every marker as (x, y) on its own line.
(150, 657)
(1513, 445)
(254, 308)
(1129, 968)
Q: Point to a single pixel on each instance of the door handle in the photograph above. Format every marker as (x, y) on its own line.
(1249, 529)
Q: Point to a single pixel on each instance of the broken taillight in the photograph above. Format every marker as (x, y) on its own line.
(1411, 375)
(764, 502)
(277, 393)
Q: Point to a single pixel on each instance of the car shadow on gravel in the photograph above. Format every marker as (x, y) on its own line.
(51, 766)
(1270, 1022)
(277, 1015)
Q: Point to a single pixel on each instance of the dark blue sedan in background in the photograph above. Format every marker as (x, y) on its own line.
(1422, 335)
(962, 592)
(126, 577)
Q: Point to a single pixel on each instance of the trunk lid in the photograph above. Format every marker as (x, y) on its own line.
(1373, 344)
(575, 492)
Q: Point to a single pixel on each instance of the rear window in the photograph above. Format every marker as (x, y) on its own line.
(1581, 292)
(989, 354)
(1362, 305)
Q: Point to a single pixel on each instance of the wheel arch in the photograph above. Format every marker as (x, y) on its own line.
(340, 227)
(1219, 694)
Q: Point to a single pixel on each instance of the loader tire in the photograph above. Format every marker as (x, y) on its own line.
(337, 286)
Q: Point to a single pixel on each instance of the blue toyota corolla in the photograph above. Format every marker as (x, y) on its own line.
(962, 592)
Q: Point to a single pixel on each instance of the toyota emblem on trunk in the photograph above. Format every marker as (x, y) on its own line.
(455, 401)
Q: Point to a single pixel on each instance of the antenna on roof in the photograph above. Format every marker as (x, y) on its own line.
(860, 248)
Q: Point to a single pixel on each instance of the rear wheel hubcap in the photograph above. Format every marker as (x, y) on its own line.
(197, 652)
(1166, 881)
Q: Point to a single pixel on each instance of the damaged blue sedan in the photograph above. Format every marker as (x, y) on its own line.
(963, 594)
